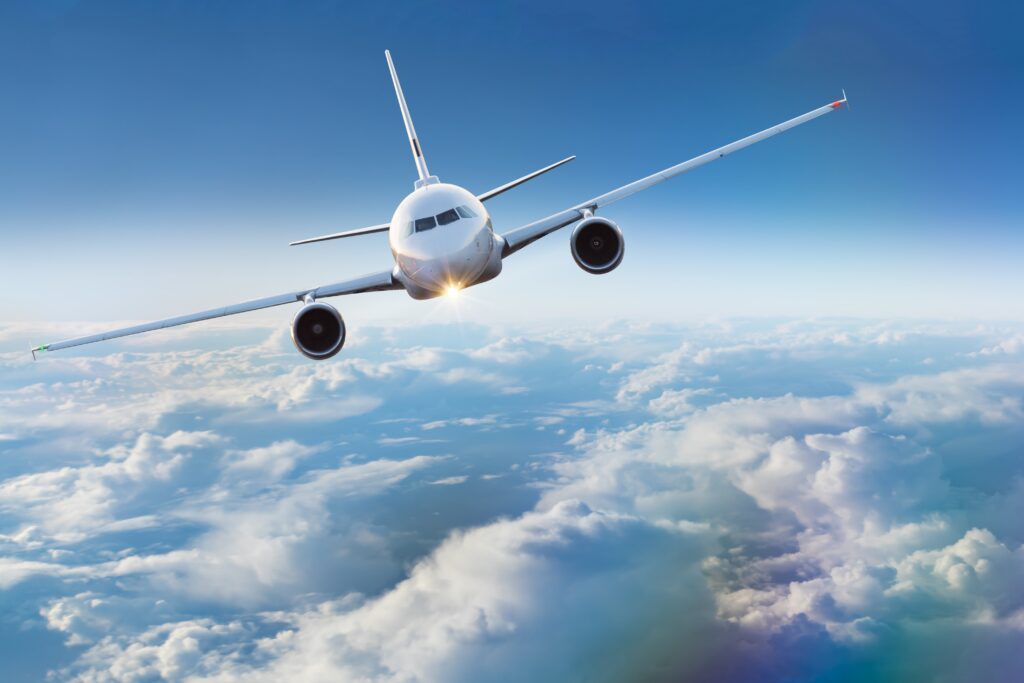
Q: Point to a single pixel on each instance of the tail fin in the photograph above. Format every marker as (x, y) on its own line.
(417, 151)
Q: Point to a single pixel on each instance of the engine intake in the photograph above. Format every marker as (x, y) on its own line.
(318, 331)
(597, 245)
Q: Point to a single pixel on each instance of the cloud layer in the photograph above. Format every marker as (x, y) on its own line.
(731, 502)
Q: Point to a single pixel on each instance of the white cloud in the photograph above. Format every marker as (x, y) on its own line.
(287, 541)
(666, 368)
(168, 652)
(269, 462)
(1009, 346)
(854, 527)
(398, 440)
(14, 571)
(511, 350)
(676, 403)
(730, 533)
(89, 616)
(857, 487)
(486, 420)
(451, 481)
(978, 576)
(989, 394)
(451, 620)
(71, 503)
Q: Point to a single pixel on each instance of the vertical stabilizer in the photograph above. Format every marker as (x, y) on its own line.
(414, 142)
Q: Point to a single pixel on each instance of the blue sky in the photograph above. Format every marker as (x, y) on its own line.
(782, 442)
(204, 136)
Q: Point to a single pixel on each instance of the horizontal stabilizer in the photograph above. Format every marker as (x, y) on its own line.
(508, 186)
(383, 227)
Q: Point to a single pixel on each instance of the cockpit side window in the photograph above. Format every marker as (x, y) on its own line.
(427, 223)
(465, 212)
(449, 216)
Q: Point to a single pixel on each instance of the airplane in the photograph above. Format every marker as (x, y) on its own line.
(442, 240)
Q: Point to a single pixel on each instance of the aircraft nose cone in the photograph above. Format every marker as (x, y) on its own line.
(456, 268)
(456, 273)
(466, 265)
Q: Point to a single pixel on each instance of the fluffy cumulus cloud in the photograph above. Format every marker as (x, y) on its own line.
(72, 502)
(481, 606)
(807, 500)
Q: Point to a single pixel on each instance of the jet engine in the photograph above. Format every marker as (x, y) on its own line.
(597, 245)
(318, 331)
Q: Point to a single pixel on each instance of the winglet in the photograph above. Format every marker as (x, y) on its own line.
(838, 103)
(845, 101)
(40, 349)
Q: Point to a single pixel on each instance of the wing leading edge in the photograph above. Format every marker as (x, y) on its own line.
(383, 227)
(520, 237)
(374, 282)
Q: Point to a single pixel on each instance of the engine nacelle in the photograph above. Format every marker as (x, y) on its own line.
(318, 331)
(597, 245)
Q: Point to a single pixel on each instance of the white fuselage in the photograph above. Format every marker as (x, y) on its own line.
(442, 240)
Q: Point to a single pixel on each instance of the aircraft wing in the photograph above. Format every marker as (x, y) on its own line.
(374, 282)
(383, 227)
(520, 237)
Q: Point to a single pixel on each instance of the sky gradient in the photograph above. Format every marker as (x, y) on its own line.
(781, 443)
(159, 157)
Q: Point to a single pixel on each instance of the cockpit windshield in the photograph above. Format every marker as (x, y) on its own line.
(443, 218)
(449, 216)
(427, 223)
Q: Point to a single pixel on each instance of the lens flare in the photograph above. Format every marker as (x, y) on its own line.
(452, 290)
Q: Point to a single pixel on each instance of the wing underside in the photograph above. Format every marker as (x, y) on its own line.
(368, 283)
